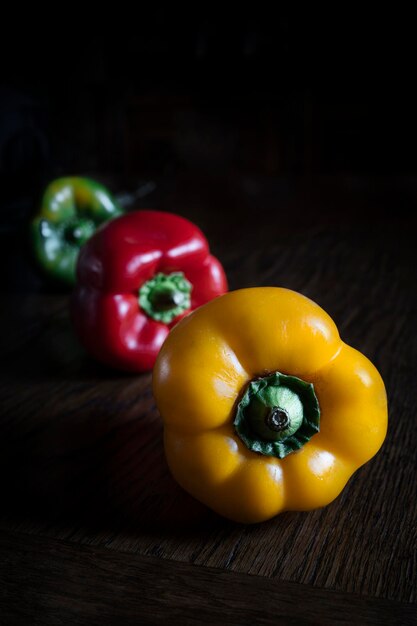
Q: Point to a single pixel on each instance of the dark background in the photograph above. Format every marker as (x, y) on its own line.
(226, 117)
(291, 141)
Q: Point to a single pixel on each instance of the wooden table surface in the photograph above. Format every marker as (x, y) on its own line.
(94, 530)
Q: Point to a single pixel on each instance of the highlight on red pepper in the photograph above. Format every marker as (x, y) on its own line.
(136, 278)
(72, 208)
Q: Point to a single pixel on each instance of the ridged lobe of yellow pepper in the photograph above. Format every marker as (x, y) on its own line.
(209, 358)
(353, 404)
(198, 380)
(234, 478)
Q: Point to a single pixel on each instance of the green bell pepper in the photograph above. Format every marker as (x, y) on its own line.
(72, 209)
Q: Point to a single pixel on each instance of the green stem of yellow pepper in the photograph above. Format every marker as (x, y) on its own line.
(277, 414)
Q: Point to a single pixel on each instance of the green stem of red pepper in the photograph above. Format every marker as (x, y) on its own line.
(165, 296)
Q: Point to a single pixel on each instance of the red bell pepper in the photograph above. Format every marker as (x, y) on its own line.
(137, 276)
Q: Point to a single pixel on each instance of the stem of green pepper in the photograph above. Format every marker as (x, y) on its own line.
(78, 231)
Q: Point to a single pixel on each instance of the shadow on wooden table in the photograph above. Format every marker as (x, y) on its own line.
(81, 444)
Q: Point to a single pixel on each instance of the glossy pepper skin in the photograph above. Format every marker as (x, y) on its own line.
(141, 259)
(71, 210)
(206, 369)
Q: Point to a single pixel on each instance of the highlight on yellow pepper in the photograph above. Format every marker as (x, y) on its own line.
(265, 408)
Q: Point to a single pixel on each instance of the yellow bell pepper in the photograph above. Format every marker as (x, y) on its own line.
(265, 408)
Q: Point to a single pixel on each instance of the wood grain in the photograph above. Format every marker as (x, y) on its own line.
(81, 456)
(44, 577)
